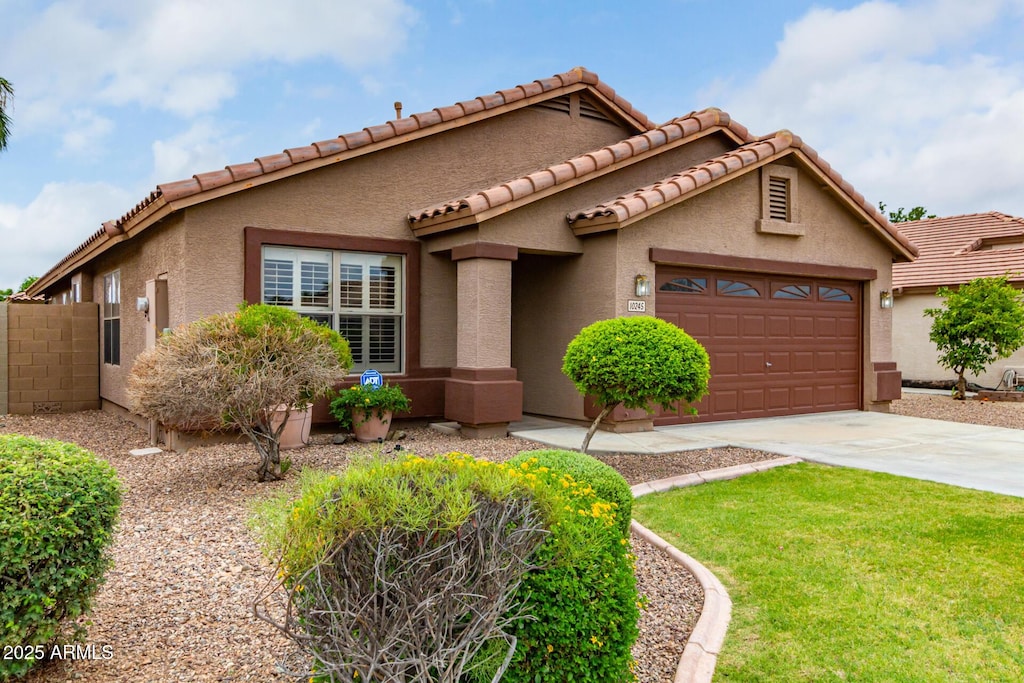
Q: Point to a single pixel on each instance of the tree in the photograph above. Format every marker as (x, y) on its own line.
(635, 361)
(6, 94)
(6, 294)
(898, 216)
(978, 323)
(233, 370)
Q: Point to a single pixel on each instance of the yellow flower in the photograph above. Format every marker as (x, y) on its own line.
(550, 648)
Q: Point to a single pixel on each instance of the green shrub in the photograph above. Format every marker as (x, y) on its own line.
(582, 598)
(578, 601)
(425, 555)
(58, 507)
(636, 361)
(606, 481)
(373, 401)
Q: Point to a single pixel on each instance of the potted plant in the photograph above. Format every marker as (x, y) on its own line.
(367, 410)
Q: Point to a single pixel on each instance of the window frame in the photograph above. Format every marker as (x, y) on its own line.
(111, 314)
(257, 238)
(315, 279)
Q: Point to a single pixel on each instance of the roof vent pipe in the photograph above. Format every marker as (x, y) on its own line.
(398, 110)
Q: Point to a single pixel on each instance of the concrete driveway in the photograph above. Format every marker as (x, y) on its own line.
(972, 456)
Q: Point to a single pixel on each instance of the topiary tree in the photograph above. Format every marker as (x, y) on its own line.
(233, 370)
(58, 507)
(978, 323)
(635, 361)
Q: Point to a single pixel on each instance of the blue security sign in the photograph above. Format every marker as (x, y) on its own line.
(372, 378)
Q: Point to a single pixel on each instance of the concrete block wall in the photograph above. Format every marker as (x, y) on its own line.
(49, 358)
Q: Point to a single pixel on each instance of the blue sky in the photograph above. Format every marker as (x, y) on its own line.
(914, 102)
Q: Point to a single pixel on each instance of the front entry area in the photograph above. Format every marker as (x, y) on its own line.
(778, 345)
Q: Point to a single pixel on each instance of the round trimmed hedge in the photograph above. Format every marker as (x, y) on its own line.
(58, 507)
(636, 361)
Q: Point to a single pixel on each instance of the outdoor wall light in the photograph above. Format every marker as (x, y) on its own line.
(885, 298)
(643, 285)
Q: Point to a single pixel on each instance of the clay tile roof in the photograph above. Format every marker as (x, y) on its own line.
(632, 205)
(586, 164)
(202, 182)
(958, 249)
(677, 185)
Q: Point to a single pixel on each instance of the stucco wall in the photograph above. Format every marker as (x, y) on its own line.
(917, 356)
(201, 248)
(554, 297)
(159, 252)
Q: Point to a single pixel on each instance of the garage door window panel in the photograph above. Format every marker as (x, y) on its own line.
(686, 285)
(737, 288)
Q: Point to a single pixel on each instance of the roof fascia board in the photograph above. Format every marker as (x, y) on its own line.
(866, 217)
(487, 214)
(90, 252)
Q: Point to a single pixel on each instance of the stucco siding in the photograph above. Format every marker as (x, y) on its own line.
(553, 299)
(160, 252)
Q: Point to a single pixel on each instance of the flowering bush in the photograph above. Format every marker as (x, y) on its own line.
(373, 401)
(405, 547)
(582, 597)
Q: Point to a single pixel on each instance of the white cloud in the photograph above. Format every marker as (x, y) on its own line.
(86, 133)
(61, 217)
(901, 99)
(184, 56)
(203, 147)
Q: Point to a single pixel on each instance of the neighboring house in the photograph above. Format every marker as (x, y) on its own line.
(461, 249)
(954, 250)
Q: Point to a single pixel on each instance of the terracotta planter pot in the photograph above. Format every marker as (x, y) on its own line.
(296, 431)
(370, 428)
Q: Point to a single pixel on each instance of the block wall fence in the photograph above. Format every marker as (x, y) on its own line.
(49, 358)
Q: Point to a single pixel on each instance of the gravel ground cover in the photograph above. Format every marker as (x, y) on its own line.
(177, 603)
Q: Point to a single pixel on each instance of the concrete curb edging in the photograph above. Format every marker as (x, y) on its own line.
(697, 663)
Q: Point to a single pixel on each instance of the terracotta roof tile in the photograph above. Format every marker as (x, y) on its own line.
(596, 160)
(958, 249)
(244, 171)
(172, 191)
(214, 179)
(300, 154)
(675, 186)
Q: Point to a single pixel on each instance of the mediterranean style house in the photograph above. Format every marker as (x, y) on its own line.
(459, 251)
(954, 250)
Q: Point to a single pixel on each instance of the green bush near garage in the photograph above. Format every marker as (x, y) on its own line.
(58, 508)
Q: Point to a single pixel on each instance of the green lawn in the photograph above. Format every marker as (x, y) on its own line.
(845, 575)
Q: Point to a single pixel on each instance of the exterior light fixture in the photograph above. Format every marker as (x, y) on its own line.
(885, 298)
(643, 285)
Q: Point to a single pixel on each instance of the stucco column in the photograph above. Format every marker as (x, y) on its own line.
(483, 394)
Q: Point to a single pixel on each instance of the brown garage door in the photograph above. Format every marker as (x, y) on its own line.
(778, 345)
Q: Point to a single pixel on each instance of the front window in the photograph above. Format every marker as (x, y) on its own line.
(358, 294)
(112, 318)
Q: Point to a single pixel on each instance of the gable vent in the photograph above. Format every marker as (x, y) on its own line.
(588, 110)
(559, 104)
(564, 105)
(778, 198)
